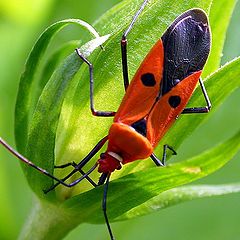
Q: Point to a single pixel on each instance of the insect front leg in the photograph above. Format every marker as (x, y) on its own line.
(73, 164)
(78, 167)
(94, 112)
(162, 162)
(124, 45)
(200, 109)
(69, 185)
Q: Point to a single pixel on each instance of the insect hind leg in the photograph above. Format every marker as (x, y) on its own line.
(200, 109)
(162, 162)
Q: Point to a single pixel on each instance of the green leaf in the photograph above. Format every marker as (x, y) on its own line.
(219, 21)
(26, 99)
(43, 126)
(137, 188)
(54, 60)
(179, 195)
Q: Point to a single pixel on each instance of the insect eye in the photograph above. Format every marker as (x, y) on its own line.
(174, 101)
(175, 81)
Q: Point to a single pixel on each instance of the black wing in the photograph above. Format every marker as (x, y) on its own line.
(186, 47)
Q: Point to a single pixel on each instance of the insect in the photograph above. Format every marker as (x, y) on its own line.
(157, 95)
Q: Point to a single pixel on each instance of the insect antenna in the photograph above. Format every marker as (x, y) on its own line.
(31, 164)
(104, 204)
(45, 172)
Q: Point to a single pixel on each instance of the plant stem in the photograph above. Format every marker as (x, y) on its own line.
(47, 221)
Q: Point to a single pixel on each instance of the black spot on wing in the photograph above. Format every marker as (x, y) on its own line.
(174, 101)
(186, 47)
(148, 80)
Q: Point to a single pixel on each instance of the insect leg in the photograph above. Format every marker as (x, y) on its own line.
(94, 112)
(73, 164)
(124, 45)
(162, 162)
(200, 109)
(82, 177)
(104, 206)
(74, 182)
(78, 167)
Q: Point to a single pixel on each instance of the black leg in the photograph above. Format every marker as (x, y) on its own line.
(124, 45)
(84, 176)
(94, 112)
(73, 164)
(104, 206)
(78, 167)
(200, 109)
(162, 162)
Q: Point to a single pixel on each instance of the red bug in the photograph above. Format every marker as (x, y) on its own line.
(156, 96)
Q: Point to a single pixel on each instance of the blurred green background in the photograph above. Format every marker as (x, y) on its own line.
(21, 22)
